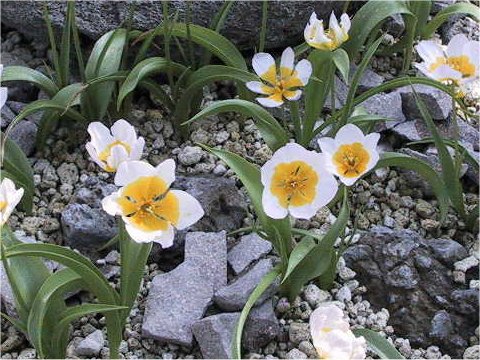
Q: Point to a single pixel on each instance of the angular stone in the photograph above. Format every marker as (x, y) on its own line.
(234, 296)
(214, 335)
(438, 103)
(447, 251)
(261, 327)
(250, 248)
(24, 134)
(286, 20)
(369, 80)
(179, 298)
(6, 117)
(91, 345)
(386, 105)
(441, 325)
(87, 228)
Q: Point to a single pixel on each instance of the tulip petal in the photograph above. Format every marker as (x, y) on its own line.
(429, 51)
(264, 66)
(345, 23)
(110, 204)
(164, 238)
(118, 154)
(304, 71)
(259, 88)
(456, 45)
(100, 135)
(129, 171)
(445, 72)
(166, 171)
(271, 101)
(286, 63)
(190, 209)
(3, 96)
(137, 149)
(349, 134)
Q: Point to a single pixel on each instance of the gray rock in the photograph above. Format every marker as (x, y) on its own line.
(91, 345)
(473, 352)
(315, 296)
(261, 327)
(369, 80)
(87, 228)
(447, 251)
(24, 134)
(234, 296)
(214, 335)
(286, 20)
(465, 264)
(395, 25)
(190, 155)
(180, 298)
(407, 275)
(6, 294)
(68, 173)
(296, 354)
(386, 105)
(344, 294)
(250, 248)
(298, 332)
(438, 103)
(459, 24)
(7, 115)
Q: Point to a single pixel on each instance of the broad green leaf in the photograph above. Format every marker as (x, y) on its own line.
(205, 76)
(133, 259)
(23, 73)
(298, 254)
(450, 176)
(249, 175)
(421, 10)
(217, 44)
(272, 132)
(105, 59)
(16, 164)
(318, 260)
(316, 91)
(144, 69)
(445, 14)
(25, 274)
(15, 322)
(67, 97)
(367, 18)
(263, 285)
(379, 345)
(342, 62)
(423, 169)
(45, 309)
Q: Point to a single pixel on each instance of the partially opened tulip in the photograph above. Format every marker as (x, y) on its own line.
(296, 181)
(110, 147)
(147, 205)
(332, 337)
(351, 154)
(458, 62)
(3, 90)
(316, 36)
(279, 84)
(9, 199)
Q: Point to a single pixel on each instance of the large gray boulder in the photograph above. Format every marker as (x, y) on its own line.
(286, 19)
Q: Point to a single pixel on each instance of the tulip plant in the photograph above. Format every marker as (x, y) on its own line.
(294, 184)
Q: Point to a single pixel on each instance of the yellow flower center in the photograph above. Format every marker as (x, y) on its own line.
(149, 205)
(104, 155)
(460, 63)
(351, 160)
(281, 84)
(3, 205)
(294, 183)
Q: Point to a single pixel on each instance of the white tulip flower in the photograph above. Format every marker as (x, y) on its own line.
(296, 181)
(9, 199)
(351, 154)
(110, 147)
(332, 337)
(281, 84)
(458, 62)
(149, 208)
(316, 36)
(3, 90)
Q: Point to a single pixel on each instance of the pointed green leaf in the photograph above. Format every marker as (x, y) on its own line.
(23, 73)
(379, 345)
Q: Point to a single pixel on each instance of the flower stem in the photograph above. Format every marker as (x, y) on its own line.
(263, 30)
(294, 113)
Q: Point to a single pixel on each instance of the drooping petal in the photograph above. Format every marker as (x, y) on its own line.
(259, 88)
(456, 45)
(123, 131)
(3, 96)
(190, 209)
(286, 62)
(264, 66)
(166, 171)
(110, 204)
(304, 71)
(94, 155)
(163, 237)
(129, 171)
(100, 135)
(292, 95)
(271, 101)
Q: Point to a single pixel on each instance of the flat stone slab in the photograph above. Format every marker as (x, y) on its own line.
(250, 248)
(235, 295)
(179, 298)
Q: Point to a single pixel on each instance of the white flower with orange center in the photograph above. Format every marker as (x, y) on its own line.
(110, 147)
(9, 198)
(332, 337)
(3, 90)
(316, 36)
(281, 84)
(296, 181)
(147, 205)
(458, 62)
(351, 154)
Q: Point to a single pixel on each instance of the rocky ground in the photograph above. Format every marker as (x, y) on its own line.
(406, 274)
